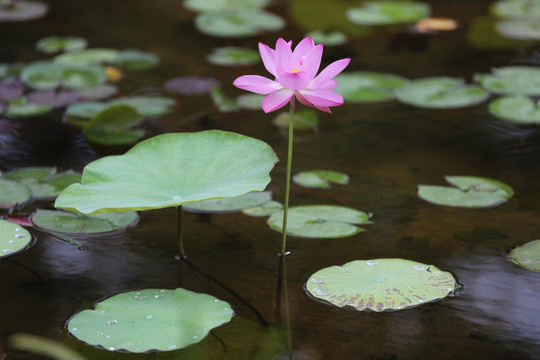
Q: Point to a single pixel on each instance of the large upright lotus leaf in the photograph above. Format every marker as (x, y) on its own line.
(241, 23)
(518, 109)
(13, 238)
(87, 57)
(388, 12)
(515, 80)
(226, 205)
(527, 255)
(320, 221)
(48, 75)
(52, 44)
(171, 170)
(469, 192)
(76, 223)
(364, 86)
(380, 284)
(12, 193)
(150, 319)
(440, 93)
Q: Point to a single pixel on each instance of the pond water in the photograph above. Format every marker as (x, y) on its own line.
(387, 149)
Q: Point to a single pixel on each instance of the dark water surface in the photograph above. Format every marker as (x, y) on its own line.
(387, 149)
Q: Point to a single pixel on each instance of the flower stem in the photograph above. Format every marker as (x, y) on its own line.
(180, 233)
(287, 180)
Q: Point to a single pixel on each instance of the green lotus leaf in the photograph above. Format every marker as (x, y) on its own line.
(364, 86)
(240, 23)
(224, 5)
(388, 12)
(469, 192)
(43, 182)
(150, 319)
(114, 126)
(53, 44)
(13, 238)
(250, 101)
(98, 92)
(22, 10)
(81, 113)
(233, 56)
(519, 29)
(440, 93)
(320, 221)
(147, 106)
(320, 179)
(21, 107)
(518, 109)
(265, 209)
(332, 38)
(97, 56)
(75, 223)
(48, 75)
(527, 255)
(380, 284)
(520, 9)
(222, 101)
(30, 174)
(13, 193)
(232, 204)
(135, 60)
(171, 170)
(304, 119)
(515, 80)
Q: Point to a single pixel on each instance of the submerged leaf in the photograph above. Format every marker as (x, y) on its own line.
(470, 192)
(171, 170)
(320, 221)
(150, 319)
(13, 238)
(380, 284)
(527, 255)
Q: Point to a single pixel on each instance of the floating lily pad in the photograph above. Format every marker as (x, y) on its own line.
(440, 93)
(53, 44)
(265, 209)
(12, 193)
(114, 126)
(233, 204)
(224, 5)
(516, 80)
(21, 107)
(304, 119)
(102, 91)
(147, 106)
(526, 255)
(43, 182)
(171, 170)
(380, 284)
(520, 9)
(191, 85)
(11, 88)
(388, 12)
(469, 192)
(233, 56)
(250, 101)
(518, 109)
(332, 38)
(13, 238)
(76, 223)
(519, 29)
(363, 86)
(22, 10)
(320, 221)
(97, 56)
(79, 114)
(240, 23)
(223, 102)
(135, 60)
(150, 319)
(47, 75)
(320, 179)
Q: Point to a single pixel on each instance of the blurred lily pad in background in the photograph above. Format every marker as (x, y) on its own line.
(517, 109)
(527, 255)
(363, 86)
(320, 179)
(372, 13)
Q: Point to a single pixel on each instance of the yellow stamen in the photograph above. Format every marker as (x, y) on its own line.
(295, 71)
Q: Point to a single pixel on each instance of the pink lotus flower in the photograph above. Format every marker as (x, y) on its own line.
(295, 74)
